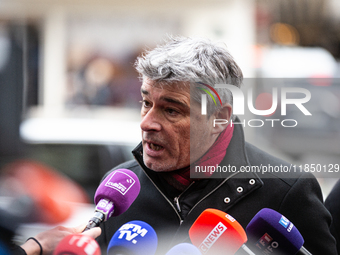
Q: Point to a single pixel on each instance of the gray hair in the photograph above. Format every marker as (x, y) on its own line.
(193, 60)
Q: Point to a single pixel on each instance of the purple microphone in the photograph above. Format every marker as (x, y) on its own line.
(114, 196)
(269, 232)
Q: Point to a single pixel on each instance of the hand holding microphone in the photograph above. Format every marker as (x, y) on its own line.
(45, 242)
(114, 196)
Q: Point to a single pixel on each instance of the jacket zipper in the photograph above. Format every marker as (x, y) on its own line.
(176, 199)
(154, 184)
(172, 205)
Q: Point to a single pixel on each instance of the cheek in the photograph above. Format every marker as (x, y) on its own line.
(200, 141)
(180, 138)
(195, 141)
(198, 132)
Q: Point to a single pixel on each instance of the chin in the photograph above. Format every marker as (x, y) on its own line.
(158, 167)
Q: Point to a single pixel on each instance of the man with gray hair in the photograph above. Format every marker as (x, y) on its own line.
(177, 138)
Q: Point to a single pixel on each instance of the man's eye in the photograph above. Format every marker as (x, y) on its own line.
(145, 103)
(171, 111)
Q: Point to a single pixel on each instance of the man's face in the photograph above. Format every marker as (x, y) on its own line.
(166, 127)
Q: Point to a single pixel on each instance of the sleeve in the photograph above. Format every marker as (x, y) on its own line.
(332, 203)
(303, 205)
(17, 250)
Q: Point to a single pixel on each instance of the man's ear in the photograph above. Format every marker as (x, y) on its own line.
(222, 118)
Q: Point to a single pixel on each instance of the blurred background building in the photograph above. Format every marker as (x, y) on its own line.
(69, 95)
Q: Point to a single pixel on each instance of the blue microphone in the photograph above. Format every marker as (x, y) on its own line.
(133, 238)
(184, 249)
(3, 249)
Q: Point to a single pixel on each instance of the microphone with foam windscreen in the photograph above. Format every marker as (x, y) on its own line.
(77, 244)
(184, 249)
(269, 232)
(114, 196)
(133, 238)
(216, 232)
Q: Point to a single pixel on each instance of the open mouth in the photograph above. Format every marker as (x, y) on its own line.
(155, 147)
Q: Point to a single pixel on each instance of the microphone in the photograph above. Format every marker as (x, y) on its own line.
(216, 232)
(270, 232)
(77, 244)
(184, 249)
(3, 248)
(114, 196)
(133, 238)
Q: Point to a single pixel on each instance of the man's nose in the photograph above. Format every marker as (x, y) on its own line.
(151, 121)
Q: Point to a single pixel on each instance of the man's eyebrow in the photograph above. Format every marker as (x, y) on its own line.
(143, 91)
(175, 101)
(168, 99)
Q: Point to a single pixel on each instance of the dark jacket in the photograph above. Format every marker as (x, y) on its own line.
(295, 195)
(332, 203)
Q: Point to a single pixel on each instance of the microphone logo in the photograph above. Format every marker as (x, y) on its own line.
(229, 217)
(77, 244)
(125, 183)
(90, 246)
(131, 231)
(285, 223)
(217, 231)
(267, 244)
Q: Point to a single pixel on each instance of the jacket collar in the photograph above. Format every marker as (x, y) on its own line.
(236, 156)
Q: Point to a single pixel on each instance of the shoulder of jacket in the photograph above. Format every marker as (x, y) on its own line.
(256, 155)
(273, 167)
(128, 164)
(131, 165)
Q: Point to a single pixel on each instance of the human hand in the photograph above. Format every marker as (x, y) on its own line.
(49, 239)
